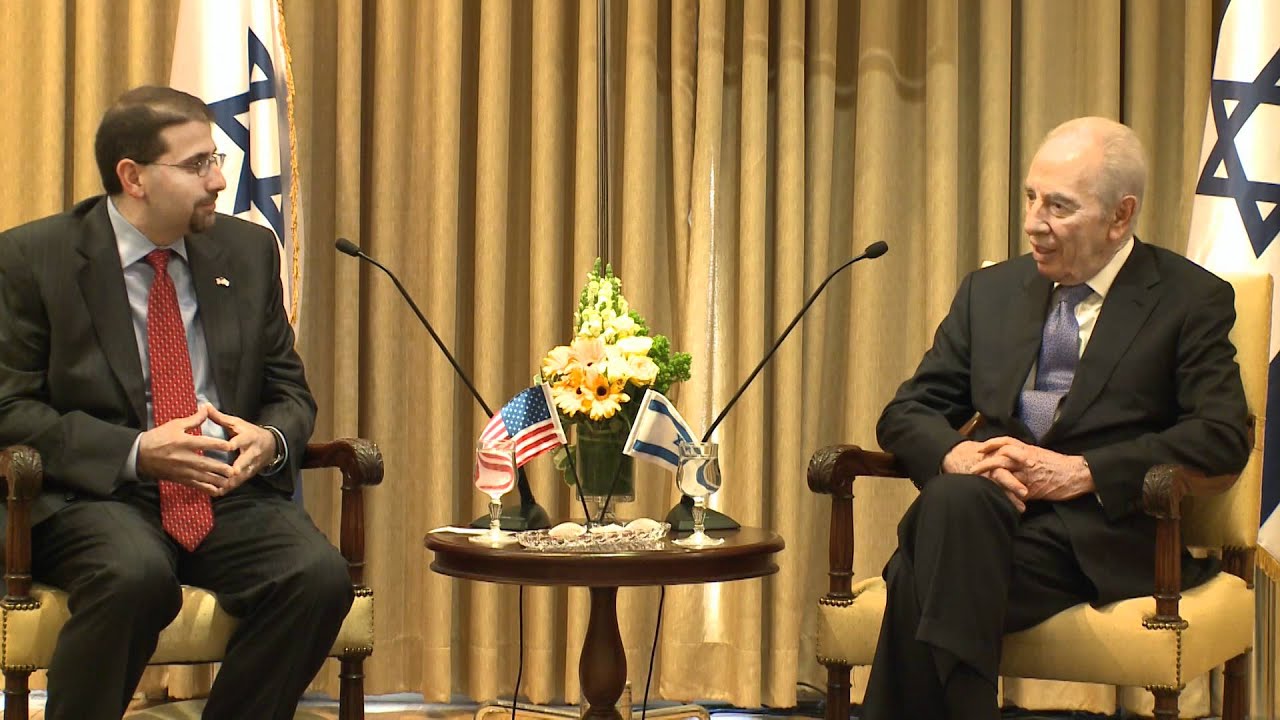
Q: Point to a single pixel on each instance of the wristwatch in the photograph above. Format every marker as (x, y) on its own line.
(282, 452)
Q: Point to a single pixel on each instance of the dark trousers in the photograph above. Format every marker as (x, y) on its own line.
(268, 564)
(968, 569)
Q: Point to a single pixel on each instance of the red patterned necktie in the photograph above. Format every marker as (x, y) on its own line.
(185, 512)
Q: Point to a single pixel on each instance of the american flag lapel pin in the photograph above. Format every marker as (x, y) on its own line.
(222, 281)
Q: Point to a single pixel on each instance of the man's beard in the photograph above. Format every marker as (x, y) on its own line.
(201, 220)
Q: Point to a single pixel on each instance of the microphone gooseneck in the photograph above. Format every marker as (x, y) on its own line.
(531, 515)
(347, 247)
(873, 251)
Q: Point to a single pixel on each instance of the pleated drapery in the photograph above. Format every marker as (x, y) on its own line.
(752, 146)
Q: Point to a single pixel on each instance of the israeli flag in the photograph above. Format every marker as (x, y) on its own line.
(1235, 221)
(657, 431)
(233, 55)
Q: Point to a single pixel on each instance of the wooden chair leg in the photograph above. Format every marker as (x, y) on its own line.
(16, 694)
(1166, 703)
(351, 689)
(1235, 688)
(838, 691)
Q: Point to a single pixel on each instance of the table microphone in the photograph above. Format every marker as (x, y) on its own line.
(530, 515)
(681, 515)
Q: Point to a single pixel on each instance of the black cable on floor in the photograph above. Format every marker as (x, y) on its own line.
(653, 651)
(821, 692)
(515, 696)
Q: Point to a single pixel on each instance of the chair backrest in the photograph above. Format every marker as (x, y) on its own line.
(1231, 518)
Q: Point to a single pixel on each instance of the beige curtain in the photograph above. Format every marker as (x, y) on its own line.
(752, 146)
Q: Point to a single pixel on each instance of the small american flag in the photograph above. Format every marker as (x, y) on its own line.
(531, 420)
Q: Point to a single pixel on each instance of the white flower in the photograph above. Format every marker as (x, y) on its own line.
(635, 345)
(622, 325)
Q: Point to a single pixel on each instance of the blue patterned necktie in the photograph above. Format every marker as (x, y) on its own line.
(1056, 367)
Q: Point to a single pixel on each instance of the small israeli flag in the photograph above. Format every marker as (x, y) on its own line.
(657, 431)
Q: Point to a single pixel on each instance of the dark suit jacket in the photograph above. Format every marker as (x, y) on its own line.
(1158, 383)
(71, 383)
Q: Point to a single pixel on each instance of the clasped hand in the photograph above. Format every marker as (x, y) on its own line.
(169, 452)
(1025, 472)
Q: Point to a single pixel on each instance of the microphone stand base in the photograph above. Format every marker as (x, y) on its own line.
(681, 518)
(523, 517)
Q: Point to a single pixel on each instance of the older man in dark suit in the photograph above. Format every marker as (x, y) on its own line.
(145, 353)
(1091, 359)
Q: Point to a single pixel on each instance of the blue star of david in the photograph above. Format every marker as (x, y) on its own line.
(260, 191)
(1265, 90)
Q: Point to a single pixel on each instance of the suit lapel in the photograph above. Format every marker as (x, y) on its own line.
(211, 276)
(1024, 330)
(102, 285)
(1128, 304)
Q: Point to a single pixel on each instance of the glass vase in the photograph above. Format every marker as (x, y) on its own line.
(598, 460)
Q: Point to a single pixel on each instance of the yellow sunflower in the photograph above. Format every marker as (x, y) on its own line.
(569, 395)
(606, 396)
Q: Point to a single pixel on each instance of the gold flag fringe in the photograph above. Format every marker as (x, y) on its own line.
(1267, 564)
(295, 269)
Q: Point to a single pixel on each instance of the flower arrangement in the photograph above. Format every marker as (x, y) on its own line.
(597, 380)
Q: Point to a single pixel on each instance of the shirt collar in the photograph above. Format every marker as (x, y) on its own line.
(1102, 281)
(131, 243)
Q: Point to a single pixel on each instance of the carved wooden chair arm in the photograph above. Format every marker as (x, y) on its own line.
(22, 471)
(1163, 489)
(1165, 486)
(832, 471)
(361, 464)
(23, 475)
(359, 460)
(833, 468)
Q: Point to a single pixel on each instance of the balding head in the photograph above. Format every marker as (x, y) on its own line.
(1083, 191)
(1122, 163)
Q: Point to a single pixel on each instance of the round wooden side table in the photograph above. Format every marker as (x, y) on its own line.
(602, 667)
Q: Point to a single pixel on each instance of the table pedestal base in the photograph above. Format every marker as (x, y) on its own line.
(602, 672)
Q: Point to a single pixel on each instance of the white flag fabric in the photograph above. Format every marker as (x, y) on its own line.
(1235, 221)
(233, 55)
(657, 432)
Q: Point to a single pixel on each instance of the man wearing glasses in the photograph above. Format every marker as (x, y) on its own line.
(145, 353)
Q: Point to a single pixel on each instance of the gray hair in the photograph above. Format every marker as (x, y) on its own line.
(1124, 162)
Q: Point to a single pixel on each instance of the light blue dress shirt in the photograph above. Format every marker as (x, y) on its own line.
(133, 247)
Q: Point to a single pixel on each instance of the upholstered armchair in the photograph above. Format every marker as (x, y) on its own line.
(33, 614)
(1159, 641)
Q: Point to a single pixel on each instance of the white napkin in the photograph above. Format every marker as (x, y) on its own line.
(460, 530)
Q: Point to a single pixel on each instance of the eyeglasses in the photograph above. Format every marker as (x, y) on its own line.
(198, 167)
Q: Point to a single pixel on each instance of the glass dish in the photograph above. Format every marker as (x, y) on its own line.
(623, 540)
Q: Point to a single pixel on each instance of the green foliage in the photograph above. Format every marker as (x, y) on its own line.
(672, 368)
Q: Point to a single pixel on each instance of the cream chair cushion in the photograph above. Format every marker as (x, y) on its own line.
(199, 633)
(1110, 644)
